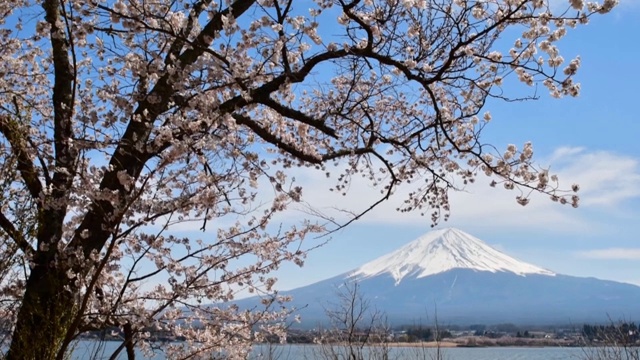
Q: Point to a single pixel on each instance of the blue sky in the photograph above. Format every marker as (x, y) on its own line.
(591, 140)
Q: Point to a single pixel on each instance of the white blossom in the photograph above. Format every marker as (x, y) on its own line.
(169, 116)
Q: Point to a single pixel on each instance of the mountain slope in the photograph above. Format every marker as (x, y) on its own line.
(464, 296)
(443, 250)
(466, 281)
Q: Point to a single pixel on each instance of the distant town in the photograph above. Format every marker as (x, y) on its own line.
(447, 336)
(483, 335)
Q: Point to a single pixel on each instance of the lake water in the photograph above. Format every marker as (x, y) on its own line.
(85, 349)
(503, 353)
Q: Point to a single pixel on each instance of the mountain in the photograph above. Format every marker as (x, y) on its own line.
(441, 251)
(465, 281)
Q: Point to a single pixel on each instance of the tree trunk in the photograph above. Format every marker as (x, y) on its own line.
(45, 316)
(128, 338)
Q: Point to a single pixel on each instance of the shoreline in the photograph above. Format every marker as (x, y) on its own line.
(473, 342)
(463, 342)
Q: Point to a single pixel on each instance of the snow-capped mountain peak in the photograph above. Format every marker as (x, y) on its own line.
(443, 250)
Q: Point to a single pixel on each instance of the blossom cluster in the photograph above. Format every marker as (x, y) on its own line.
(125, 122)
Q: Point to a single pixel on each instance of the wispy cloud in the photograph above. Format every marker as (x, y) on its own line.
(607, 180)
(611, 254)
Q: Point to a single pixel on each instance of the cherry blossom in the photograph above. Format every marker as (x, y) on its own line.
(121, 120)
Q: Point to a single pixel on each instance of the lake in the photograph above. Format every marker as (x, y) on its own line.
(84, 349)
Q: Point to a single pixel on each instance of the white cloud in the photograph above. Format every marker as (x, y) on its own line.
(611, 254)
(607, 180)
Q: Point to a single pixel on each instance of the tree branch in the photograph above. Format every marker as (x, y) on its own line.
(298, 115)
(63, 93)
(272, 139)
(16, 139)
(15, 235)
(130, 155)
(209, 31)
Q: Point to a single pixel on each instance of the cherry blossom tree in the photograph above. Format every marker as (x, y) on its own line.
(121, 118)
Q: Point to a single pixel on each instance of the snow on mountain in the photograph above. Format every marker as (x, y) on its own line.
(443, 250)
(467, 282)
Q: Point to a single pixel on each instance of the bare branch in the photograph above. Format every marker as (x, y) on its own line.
(15, 235)
(18, 141)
